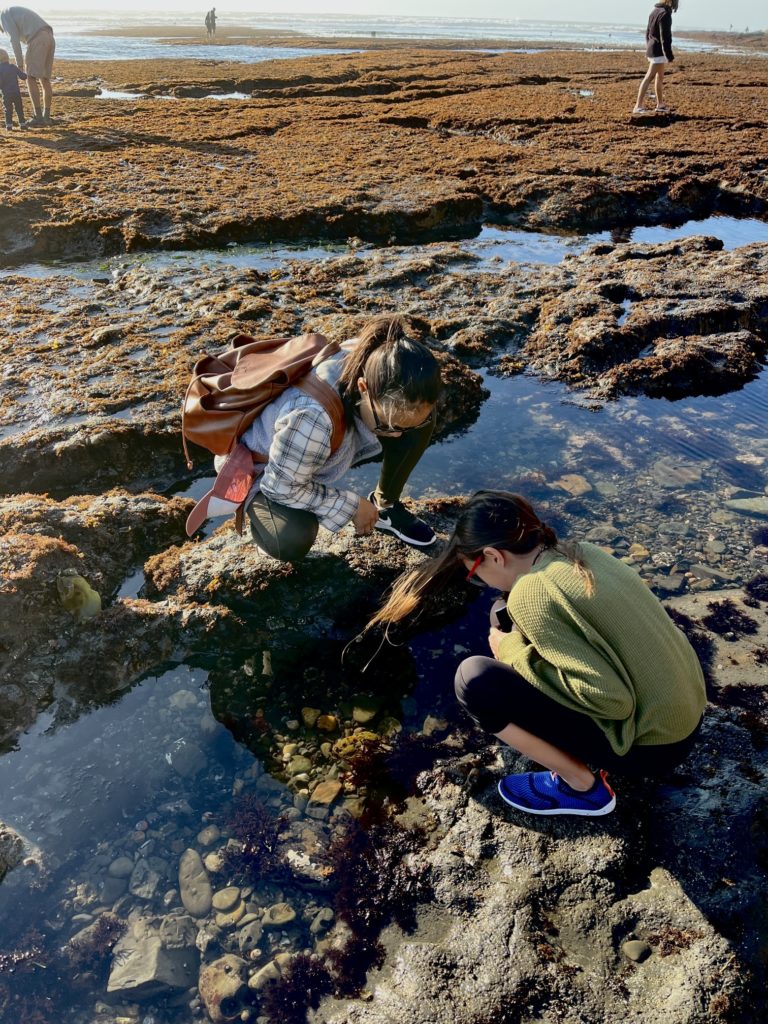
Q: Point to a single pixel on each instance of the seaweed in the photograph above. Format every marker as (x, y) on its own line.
(670, 940)
(727, 620)
(92, 952)
(757, 587)
(256, 853)
(304, 983)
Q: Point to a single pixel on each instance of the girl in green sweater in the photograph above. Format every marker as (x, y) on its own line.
(591, 670)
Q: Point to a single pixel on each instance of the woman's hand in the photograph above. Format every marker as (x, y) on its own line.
(365, 518)
(495, 636)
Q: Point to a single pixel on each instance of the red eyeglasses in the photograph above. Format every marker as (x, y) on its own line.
(475, 567)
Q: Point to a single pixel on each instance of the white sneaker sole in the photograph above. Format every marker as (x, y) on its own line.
(388, 528)
(560, 810)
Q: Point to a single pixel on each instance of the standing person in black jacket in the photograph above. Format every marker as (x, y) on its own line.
(658, 50)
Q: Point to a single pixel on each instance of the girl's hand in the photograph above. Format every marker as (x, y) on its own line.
(495, 636)
(365, 518)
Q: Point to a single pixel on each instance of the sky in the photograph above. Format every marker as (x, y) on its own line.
(712, 14)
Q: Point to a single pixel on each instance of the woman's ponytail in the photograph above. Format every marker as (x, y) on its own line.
(400, 371)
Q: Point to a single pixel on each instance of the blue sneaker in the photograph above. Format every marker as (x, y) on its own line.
(546, 793)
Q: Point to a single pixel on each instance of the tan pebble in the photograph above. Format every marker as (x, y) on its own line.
(232, 918)
(225, 899)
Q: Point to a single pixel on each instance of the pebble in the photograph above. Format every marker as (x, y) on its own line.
(433, 725)
(574, 484)
(209, 835)
(365, 709)
(278, 915)
(321, 921)
(324, 793)
(121, 867)
(232, 917)
(194, 885)
(249, 937)
(636, 950)
(327, 723)
(225, 899)
(309, 716)
(298, 765)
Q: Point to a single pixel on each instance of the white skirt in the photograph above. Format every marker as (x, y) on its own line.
(658, 60)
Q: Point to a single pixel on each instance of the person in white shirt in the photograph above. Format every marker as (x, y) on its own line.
(25, 26)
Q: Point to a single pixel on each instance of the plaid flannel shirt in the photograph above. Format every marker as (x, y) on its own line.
(301, 446)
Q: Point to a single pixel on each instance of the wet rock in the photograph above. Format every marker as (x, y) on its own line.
(144, 881)
(178, 931)
(575, 484)
(264, 976)
(143, 969)
(194, 885)
(365, 709)
(121, 867)
(327, 723)
(226, 899)
(11, 849)
(223, 989)
(249, 937)
(756, 508)
(310, 716)
(325, 793)
(278, 916)
(636, 950)
(232, 917)
(209, 835)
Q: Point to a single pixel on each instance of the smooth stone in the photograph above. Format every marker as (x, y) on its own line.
(710, 572)
(178, 931)
(574, 484)
(638, 551)
(669, 584)
(755, 507)
(278, 915)
(327, 723)
(225, 899)
(249, 937)
(388, 726)
(309, 716)
(182, 699)
(232, 918)
(121, 867)
(636, 950)
(365, 709)
(263, 977)
(324, 793)
(194, 885)
(188, 759)
(298, 765)
(209, 835)
(672, 472)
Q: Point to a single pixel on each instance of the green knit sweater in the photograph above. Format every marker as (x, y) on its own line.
(615, 656)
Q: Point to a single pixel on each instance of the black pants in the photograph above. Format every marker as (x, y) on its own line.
(495, 695)
(10, 102)
(288, 533)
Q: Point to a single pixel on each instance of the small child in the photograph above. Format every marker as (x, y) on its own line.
(9, 86)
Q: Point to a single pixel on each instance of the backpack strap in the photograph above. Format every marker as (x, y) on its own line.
(330, 399)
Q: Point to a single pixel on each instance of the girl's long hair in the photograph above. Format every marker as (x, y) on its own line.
(490, 519)
(400, 371)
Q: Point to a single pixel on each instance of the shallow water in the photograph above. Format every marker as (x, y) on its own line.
(157, 756)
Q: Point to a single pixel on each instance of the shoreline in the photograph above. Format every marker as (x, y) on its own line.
(192, 34)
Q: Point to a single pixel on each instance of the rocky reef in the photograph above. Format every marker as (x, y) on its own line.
(405, 145)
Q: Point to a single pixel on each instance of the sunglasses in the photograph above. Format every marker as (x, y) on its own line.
(386, 431)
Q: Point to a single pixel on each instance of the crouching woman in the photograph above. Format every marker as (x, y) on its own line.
(592, 672)
(389, 383)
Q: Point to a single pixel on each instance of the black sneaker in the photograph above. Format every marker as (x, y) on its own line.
(404, 524)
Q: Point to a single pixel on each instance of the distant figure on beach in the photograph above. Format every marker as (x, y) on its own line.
(9, 86)
(211, 22)
(24, 26)
(658, 50)
(208, 24)
(588, 670)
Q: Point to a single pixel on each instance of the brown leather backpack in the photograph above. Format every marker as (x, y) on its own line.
(229, 391)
